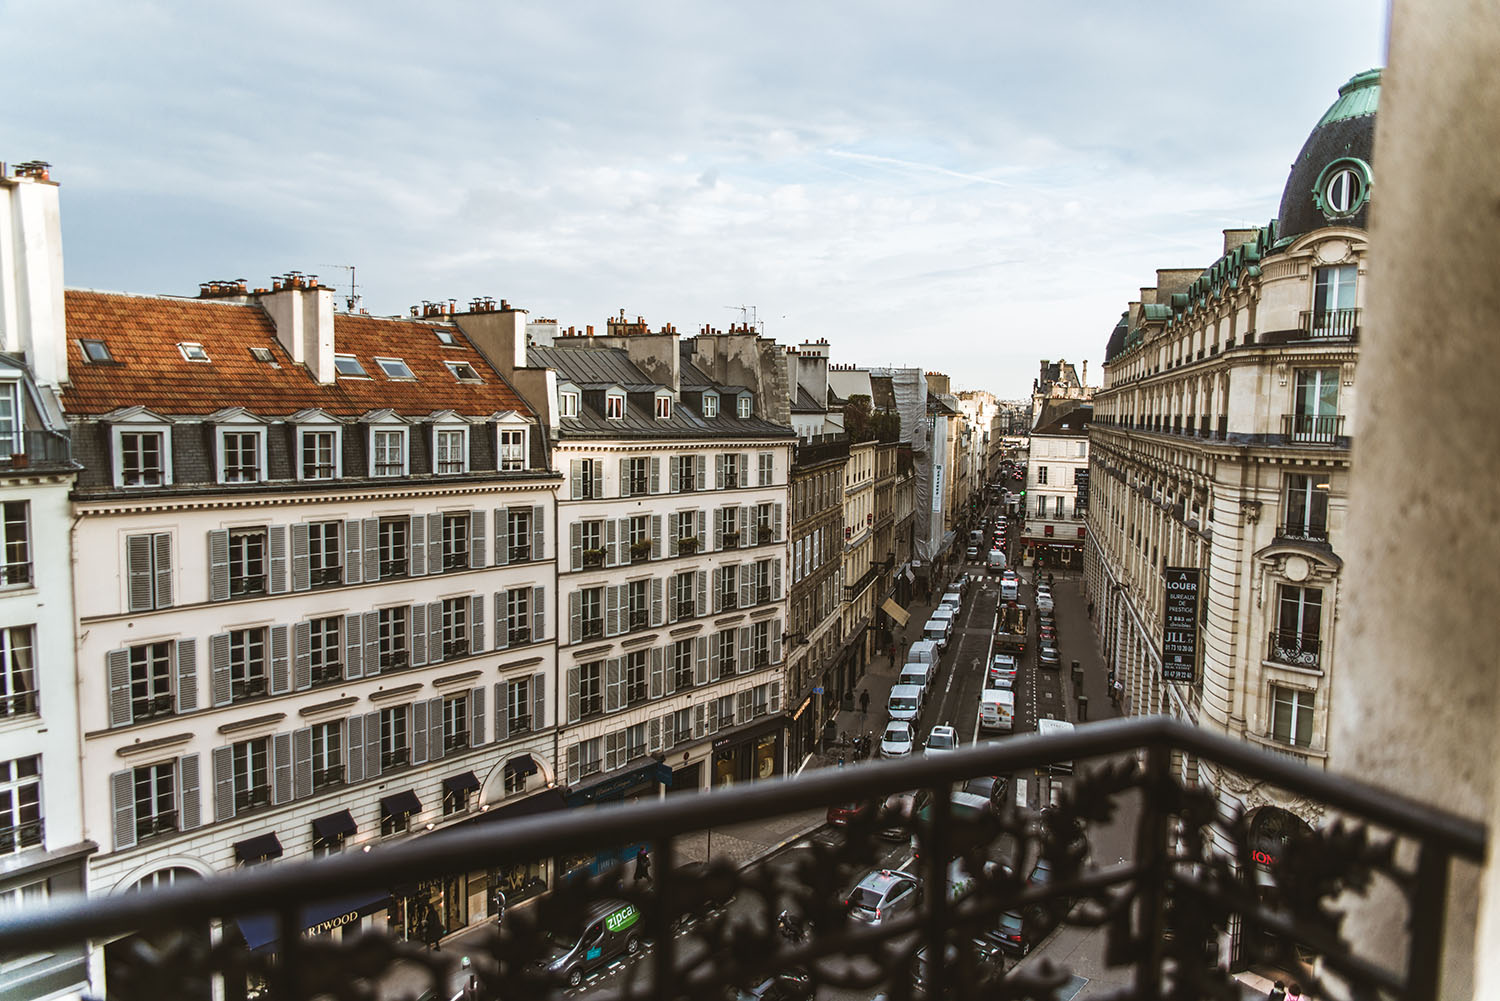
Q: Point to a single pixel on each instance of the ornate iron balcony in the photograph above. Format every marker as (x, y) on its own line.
(1288, 646)
(701, 931)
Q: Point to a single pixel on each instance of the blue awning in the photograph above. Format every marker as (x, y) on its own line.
(260, 930)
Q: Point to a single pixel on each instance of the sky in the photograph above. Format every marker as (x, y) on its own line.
(968, 187)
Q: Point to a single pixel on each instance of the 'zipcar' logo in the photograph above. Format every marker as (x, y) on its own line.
(622, 919)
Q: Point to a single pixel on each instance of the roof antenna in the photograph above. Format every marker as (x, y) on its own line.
(748, 318)
(351, 304)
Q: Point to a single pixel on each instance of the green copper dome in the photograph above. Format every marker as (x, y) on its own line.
(1360, 96)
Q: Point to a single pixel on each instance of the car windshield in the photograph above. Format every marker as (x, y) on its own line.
(940, 740)
(903, 703)
(896, 736)
(1010, 922)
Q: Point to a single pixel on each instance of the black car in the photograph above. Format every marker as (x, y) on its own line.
(782, 987)
(1014, 933)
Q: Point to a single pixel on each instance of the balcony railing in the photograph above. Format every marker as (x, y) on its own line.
(1157, 913)
(38, 448)
(1317, 429)
(1330, 322)
(1291, 647)
(1305, 531)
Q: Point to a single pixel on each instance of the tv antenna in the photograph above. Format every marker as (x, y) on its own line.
(748, 318)
(351, 304)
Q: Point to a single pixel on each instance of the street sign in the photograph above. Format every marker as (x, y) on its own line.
(1081, 488)
(1179, 644)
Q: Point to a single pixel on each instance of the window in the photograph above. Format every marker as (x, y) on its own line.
(760, 644)
(685, 473)
(1306, 507)
(394, 368)
(456, 799)
(327, 754)
(637, 605)
(20, 803)
(680, 725)
(518, 527)
(11, 440)
(682, 663)
(456, 541)
(518, 615)
(393, 547)
(455, 627)
(393, 637)
(452, 451)
(765, 522)
(638, 476)
(18, 695)
(518, 706)
(766, 464)
(567, 405)
(512, 449)
(192, 351)
(663, 408)
(590, 689)
(455, 722)
(710, 405)
(95, 351)
(247, 562)
(1041, 475)
(592, 535)
(14, 524)
(591, 612)
(388, 452)
(635, 742)
(728, 651)
(729, 588)
(684, 604)
(325, 650)
(743, 407)
(685, 531)
(150, 681)
(141, 458)
(614, 406)
(325, 553)
(395, 746)
(729, 527)
(1316, 404)
(247, 663)
(1298, 626)
(155, 800)
(462, 370)
(635, 679)
(588, 756)
(1291, 716)
(320, 454)
(588, 479)
(732, 470)
(252, 774)
(1333, 292)
(349, 366)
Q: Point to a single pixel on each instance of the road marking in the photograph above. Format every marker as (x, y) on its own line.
(1023, 795)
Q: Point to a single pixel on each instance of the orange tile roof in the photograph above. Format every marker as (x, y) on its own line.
(142, 333)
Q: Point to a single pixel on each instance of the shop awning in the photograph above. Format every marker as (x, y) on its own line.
(403, 803)
(258, 848)
(260, 930)
(334, 826)
(460, 783)
(522, 765)
(546, 801)
(651, 771)
(895, 611)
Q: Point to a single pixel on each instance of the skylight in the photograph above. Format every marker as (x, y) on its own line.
(95, 351)
(446, 338)
(463, 371)
(192, 351)
(349, 365)
(394, 368)
(260, 354)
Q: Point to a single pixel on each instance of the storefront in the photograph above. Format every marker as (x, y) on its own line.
(644, 781)
(523, 879)
(802, 738)
(1053, 553)
(754, 753)
(322, 919)
(1272, 829)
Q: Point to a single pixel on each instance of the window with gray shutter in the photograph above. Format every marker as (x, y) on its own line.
(656, 536)
(702, 602)
(502, 711)
(281, 768)
(575, 769)
(713, 715)
(538, 613)
(575, 616)
(700, 720)
(281, 665)
(573, 703)
(624, 477)
(701, 520)
(371, 530)
(416, 547)
(675, 479)
(434, 543)
(718, 588)
(700, 660)
(161, 555)
(775, 696)
(575, 479)
(417, 639)
(747, 586)
(301, 557)
(575, 546)
(612, 751)
(371, 631)
(611, 610)
(372, 745)
(122, 800)
(700, 471)
(655, 734)
(419, 732)
(502, 620)
(538, 532)
(713, 657)
(596, 472)
(476, 713)
(611, 542)
(658, 673)
(139, 573)
(302, 655)
(614, 686)
(744, 471)
(752, 526)
(476, 540)
(742, 663)
(354, 757)
(668, 732)
(539, 701)
(186, 652)
(218, 667)
(658, 601)
(353, 647)
(218, 565)
(656, 474)
(476, 624)
(502, 536)
(117, 667)
(353, 550)
(189, 809)
(277, 537)
(223, 763)
(778, 515)
(302, 777)
(435, 747)
(774, 629)
(775, 580)
(719, 472)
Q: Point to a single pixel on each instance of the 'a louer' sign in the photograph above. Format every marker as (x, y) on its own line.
(1179, 643)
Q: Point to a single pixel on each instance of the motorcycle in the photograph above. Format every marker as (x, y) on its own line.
(791, 927)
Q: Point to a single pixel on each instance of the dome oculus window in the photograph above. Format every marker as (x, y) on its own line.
(1343, 188)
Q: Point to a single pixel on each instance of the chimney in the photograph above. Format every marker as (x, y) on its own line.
(500, 333)
(1234, 238)
(655, 354)
(302, 311)
(32, 317)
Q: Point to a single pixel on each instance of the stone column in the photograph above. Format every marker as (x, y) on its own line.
(1419, 650)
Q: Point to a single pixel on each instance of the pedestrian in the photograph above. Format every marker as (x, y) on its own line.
(864, 702)
(1294, 993)
(497, 905)
(841, 757)
(1278, 992)
(433, 929)
(642, 865)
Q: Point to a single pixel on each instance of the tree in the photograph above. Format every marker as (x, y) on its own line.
(857, 417)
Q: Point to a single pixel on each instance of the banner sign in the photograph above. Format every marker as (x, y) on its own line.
(1179, 645)
(937, 488)
(1081, 482)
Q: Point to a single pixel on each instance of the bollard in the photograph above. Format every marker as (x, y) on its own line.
(1077, 676)
(1083, 708)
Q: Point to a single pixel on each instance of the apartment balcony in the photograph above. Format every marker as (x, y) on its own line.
(1291, 647)
(1154, 917)
(1321, 323)
(38, 449)
(1303, 531)
(1313, 429)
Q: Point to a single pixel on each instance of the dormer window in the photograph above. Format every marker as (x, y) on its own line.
(513, 448)
(614, 406)
(387, 451)
(663, 407)
(242, 455)
(744, 407)
(463, 371)
(567, 404)
(394, 368)
(450, 450)
(710, 404)
(349, 367)
(142, 454)
(95, 351)
(193, 351)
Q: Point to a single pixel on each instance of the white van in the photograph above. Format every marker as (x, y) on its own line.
(915, 674)
(997, 710)
(944, 612)
(937, 631)
(922, 652)
(954, 597)
(1010, 589)
(905, 702)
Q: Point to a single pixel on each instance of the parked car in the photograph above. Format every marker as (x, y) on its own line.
(839, 814)
(782, 987)
(883, 895)
(972, 554)
(1044, 603)
(1048, 656)
(941, 740)
(899, 811)
(1013, 933)
(1002, 672)
(991, 787)
(1047, 632)
(897, 740)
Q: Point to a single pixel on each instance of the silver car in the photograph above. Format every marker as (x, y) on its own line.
(883, 895)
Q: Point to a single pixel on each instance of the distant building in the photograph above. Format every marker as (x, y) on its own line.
(1056, 485)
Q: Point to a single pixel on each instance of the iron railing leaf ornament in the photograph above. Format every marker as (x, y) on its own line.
(702, 930)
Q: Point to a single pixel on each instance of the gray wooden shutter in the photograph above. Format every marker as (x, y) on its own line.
(747, 585)
(122, 796)
(575, 766)
(700, 472)
(775, 580)
(719, 471)
(744, 471)
(353, 647)
(476, 716)
(700, 720)
(700, 660)
(419, 731)
(354, 754)
(676, 478)
(669, 662)
(596, 471)
(352, 552)
(417, 629)
(476, 540)
(502, 536)
(218, 665)
(502, 620)
(713, 715)
(140, 578)
(670, 587)
(658, 601)
(668, 731)
(612, 751)
(611, 542)
(701, 519)
(654, 734)
(189, 808)
(752, 525)
(575, 478)
(223, 763)
(656, 536)
(218, 565)
(742, 665)
(372, 643)
(117, 665)
(614, 687)
(673, 528)
(624, 477)
(372, 745)
(658, 672)
(622, 543)
(573, 697)
(778, 513)
(434, 543)
(434, 632)
(575, 545)
(775, 696)
(276, 535)
(186, 652)
(718, 531)
(161, 552)
(713, 657)
(281, 665)
(281, 768)
(611, 610)
(502, 711)
(302, 777)
(416, 547)
(538, 700)
(702, 603)
(371, 528)
(774, 632)
(718, 589)
(575, 617)
(655, 474)
(538, 613)
(538, 533)
(476, 624)
(302, 655)
(301, 557)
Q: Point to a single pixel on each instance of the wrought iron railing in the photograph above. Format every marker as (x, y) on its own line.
(700, 931)
(1288, 646)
